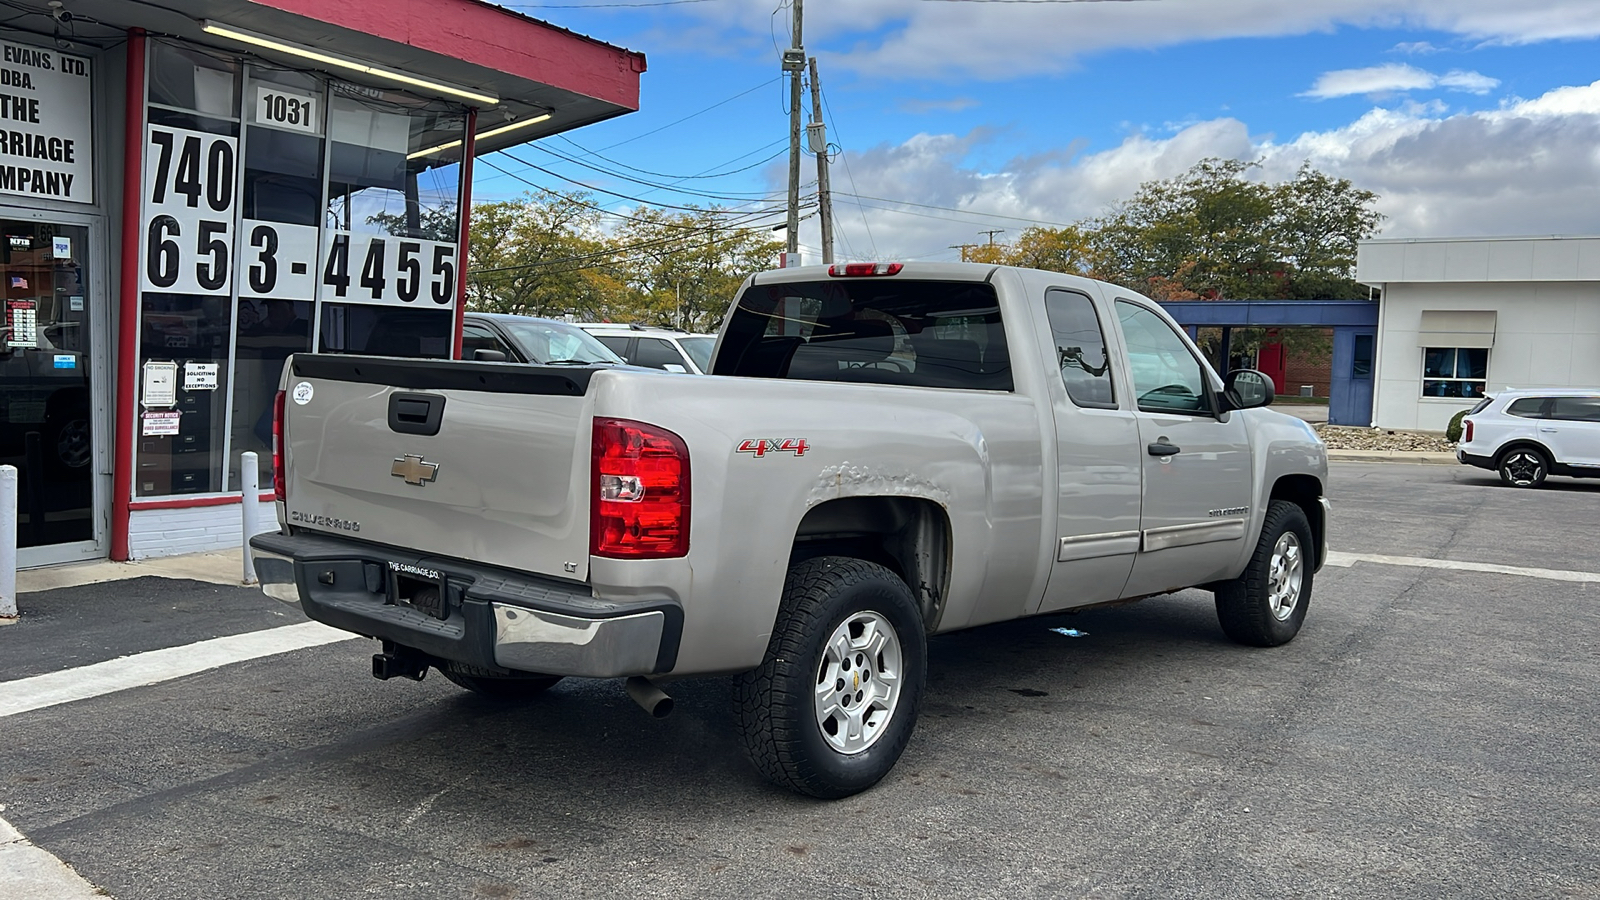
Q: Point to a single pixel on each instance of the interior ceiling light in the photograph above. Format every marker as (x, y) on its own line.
(258, 40)
(524, 123)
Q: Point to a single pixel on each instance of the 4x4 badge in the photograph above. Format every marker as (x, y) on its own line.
(414, 469)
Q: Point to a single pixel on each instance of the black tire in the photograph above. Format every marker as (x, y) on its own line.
(498, 687)
(776, 703)
(1523, 467)
(1249, 608)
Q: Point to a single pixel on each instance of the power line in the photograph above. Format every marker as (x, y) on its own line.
(676, 178)
(590, 187)
(693, 114)
(741, 196)
(845, 158)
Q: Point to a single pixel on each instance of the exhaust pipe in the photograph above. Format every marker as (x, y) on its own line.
(650, 698)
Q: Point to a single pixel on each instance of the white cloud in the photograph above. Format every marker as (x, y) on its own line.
(1470, 82)
(1414, 47)
(1386, 78)
(1528, 167)
(1391, 78)
(906, 39)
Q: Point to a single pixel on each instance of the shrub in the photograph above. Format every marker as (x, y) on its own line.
(1453, 432)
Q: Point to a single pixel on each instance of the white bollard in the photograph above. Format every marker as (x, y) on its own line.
(8, 542)
(251, 504)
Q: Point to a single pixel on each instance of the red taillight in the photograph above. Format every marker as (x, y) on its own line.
(855, 269)
(640, 502)
(277, 447)
(1467, 437)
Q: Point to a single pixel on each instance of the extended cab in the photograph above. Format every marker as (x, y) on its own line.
(881, 453)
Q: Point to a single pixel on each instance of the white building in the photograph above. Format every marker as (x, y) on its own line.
(1461, 316)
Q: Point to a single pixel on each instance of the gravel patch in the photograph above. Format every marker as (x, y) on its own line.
(1339, 437)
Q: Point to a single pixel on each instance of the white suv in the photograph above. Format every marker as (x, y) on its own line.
(1528, 434)
(656, 348)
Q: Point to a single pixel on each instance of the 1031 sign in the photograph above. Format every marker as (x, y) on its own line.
(188, 211)
(387, 270)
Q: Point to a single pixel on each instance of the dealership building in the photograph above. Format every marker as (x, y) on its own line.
(192, 190)
(1459, 317)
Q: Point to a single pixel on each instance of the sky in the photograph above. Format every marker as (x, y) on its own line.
(953, 118)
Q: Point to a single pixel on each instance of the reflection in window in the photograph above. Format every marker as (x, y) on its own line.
(386, 330)
(699, 350)
(546, 341)
(1454, 372)
(905, 332)
(391, 169)
(1080, 349)
(1361, 361)
(1577, 409)
(1166, 376)
(269, 331)
(186, 331)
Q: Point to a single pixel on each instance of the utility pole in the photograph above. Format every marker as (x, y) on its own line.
(817, 135)
(794, 62)
(991, 233)
(963, 248)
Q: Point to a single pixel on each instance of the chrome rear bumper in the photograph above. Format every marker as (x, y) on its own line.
(486, 618)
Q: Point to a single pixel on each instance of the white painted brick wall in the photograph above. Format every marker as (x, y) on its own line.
(170, 532)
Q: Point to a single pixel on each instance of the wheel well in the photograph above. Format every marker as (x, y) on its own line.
(907, 535)
(1304, 491)
(1523, 445)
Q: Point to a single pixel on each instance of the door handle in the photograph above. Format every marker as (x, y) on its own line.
(1548, 430)
(1162, 448)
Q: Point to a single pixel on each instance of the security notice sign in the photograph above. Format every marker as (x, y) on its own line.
(46, 124)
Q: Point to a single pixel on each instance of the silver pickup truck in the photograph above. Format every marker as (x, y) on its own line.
(882, 452)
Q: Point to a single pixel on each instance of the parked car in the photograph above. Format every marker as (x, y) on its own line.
(656, 348)
(1526, 435)
(527, 339)
(1042, 443)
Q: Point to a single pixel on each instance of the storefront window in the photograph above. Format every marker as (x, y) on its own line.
(1454, 372)
(185, 328)
(278, 205)
(389, 237)
(282, 198)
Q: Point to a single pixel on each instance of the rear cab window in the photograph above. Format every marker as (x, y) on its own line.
(870, 330)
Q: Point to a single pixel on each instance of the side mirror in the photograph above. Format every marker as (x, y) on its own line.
(483, 354)
(1247, 389)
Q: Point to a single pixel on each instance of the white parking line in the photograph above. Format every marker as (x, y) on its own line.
(1335, 558)
(156, 666)
(27, 871)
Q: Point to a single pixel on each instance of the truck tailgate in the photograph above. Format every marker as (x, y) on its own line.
(501, 479)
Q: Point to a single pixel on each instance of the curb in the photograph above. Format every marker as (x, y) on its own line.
(1394, 456)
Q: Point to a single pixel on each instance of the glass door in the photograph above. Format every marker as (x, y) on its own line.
(46, 407)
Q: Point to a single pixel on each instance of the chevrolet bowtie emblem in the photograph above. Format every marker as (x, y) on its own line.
(414, 469)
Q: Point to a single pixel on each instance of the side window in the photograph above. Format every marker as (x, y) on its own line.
(1578, 409)
(654, 353)
(1080, 349)
(1166, 376)
(476, 337)
(616, 343)
(1527, 407)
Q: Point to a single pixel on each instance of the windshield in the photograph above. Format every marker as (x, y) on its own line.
(699, 350)
(543, 341)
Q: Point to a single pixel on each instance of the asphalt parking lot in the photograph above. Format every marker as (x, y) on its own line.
(1431, 733)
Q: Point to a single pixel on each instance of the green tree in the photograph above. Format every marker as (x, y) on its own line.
(1052, 249)
(1214, 233)
(681, 269)
(541, 256)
